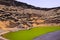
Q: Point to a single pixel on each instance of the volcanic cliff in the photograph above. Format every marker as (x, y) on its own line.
(14, 14)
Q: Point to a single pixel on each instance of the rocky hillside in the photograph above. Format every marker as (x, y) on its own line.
(21, 15)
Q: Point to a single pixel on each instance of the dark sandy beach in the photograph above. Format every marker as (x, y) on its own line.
(50, 36)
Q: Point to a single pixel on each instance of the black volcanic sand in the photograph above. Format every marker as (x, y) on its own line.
(50, 36)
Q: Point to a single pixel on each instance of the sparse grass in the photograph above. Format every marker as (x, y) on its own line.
(30, 34)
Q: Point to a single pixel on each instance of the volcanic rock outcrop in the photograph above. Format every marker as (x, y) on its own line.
(21, 15)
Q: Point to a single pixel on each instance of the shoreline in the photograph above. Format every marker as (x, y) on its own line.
(4, 32)
(55, 35)
(2, 38)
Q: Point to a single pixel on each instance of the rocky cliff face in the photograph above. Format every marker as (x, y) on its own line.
(21, 15)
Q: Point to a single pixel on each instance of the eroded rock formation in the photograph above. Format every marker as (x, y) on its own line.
(21, 15)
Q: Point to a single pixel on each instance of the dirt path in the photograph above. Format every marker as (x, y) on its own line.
(50, 36)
